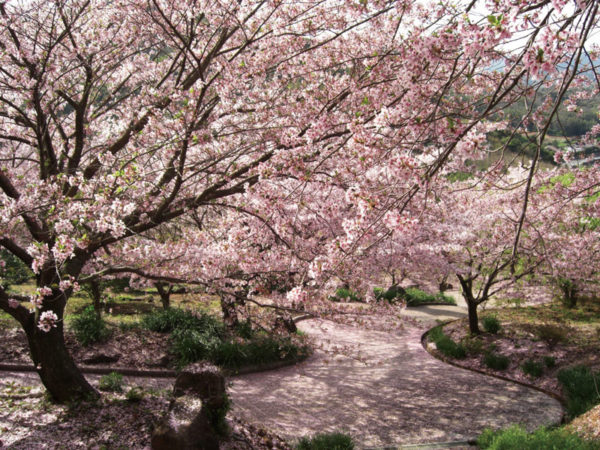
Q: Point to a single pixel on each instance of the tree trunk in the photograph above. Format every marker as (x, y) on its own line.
(466, 285)
(55, 366)
(96, 297)
(228, 307)
(165, 294)
(473, 319)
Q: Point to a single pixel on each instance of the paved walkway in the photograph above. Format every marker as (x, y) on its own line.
(401, 395)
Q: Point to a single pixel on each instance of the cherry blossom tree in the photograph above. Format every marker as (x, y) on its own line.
(324, 121)
(571, 247)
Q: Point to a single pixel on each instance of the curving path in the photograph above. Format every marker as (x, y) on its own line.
(400, 395)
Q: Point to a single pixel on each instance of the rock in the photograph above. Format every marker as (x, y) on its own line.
(196, 414)
(202, 379)
(101, 358)
(162, 361)
(186, 426)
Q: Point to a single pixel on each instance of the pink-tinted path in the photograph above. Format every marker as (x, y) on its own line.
(399, 395)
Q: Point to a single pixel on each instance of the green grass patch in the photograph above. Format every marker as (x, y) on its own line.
(446, 345)
(582, 388)
(326, 441)
(517, 438)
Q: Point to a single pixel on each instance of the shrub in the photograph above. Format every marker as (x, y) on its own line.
(473, 345)
(190, 345)
(549, 361)
(135, 394)
(259, 350)
(326, 441)
(532, 368)
(551, 334)
(491, 324)
(15, 271)
(582, 388)
(89, 328)
(446, 345)
(113, 382)
(517, 438)
(346, 294)
(495, 361)
(391, 294)
(167, 320)
(416, 297)
(244, 329)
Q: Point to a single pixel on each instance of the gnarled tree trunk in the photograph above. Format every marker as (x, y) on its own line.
(54, 364)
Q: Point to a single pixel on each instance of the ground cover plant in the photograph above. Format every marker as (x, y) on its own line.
(326, 441)
(446, 345)
(496, 361)
(517, 438)
(195, 337)
(582, 388)
(168, 338)
(412, 296)
(551, 346)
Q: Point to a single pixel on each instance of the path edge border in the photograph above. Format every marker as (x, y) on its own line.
(446, 360)
(148, 373)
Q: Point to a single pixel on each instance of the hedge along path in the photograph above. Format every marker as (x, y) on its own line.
(399, 395)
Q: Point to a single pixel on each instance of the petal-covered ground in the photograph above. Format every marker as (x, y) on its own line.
(384, 389)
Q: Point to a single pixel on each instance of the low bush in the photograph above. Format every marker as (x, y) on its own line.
(326, 441)
(191, 344)
(446, 345)
(496, 361)
(167, 320)
(391, 295)
(491, 324)
(532, 368)
(517, 438)
(549, 361)
(258, 350)
(346, 295)
(135, 394)
(582, 388)
(551, 334)
(113, 382)
(473, 345)
(416, 297)
(196, 337)
(89, 328)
